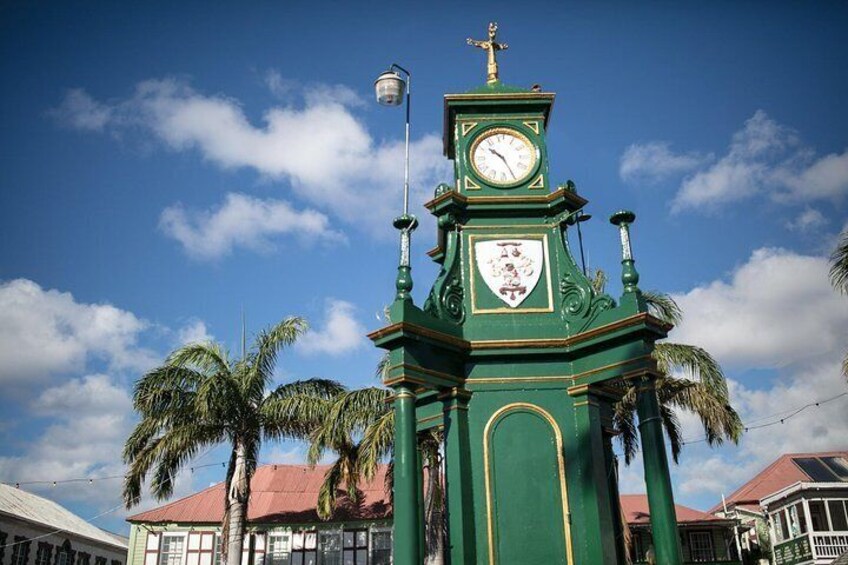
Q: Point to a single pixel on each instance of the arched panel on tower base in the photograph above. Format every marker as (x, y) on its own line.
(526, 493)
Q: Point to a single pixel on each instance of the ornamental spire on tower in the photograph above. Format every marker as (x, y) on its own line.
(491, 47)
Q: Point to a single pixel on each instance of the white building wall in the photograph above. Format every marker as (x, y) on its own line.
(12, 528)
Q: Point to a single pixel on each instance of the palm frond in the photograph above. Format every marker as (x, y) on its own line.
(383, 367)
(624, 424)
(839, 265)
(377, 443)
(267, 345)
(718, 417)
(166, 389)
(167, 453)
(208, 357)
(293, 410)
(694, 361)
(672, 430)
(663, 306)
(599, 281)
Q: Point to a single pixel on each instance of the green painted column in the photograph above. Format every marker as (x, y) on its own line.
(458, 480)
(587, 484)
(407, 526)
(657, 478)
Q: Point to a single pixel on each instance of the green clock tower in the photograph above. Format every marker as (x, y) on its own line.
(517, 358)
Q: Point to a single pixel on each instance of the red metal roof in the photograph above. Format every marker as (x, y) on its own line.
(278, 494)
(635, 508)
(779, 475)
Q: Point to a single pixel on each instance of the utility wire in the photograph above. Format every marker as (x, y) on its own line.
(113, 509)
(786, 415)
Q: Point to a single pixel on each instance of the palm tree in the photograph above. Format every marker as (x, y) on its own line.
(359, 429)
(200, 398)
(839, 276)
(702, 390)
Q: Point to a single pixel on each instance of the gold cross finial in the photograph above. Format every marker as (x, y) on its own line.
(491, 46)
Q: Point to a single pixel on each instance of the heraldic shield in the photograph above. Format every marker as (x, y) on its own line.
(511, 268)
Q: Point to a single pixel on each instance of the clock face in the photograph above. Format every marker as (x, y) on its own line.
(503, 156)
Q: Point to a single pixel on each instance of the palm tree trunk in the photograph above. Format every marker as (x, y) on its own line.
(237, 511)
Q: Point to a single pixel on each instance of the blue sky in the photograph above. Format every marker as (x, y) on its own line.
(166, 166)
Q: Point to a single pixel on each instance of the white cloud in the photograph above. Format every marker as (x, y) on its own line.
(91, 418)
(80, 111)
(243, 221)
(764, 157)
(321, 148)
(195, 331)
(825, 178)
(43, 332)
(808, 220)
(341, 331)
(776, 309)
(745, 169)
(816, 428)
(653, 162)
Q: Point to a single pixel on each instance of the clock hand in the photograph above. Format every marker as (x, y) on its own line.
(501, 157)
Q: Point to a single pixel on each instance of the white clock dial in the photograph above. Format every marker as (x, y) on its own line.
(503, 156)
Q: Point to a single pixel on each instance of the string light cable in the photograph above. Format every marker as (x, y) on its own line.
(781, 417)
(91, 481)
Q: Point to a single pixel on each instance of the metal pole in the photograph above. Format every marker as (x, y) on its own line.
(580, 239)
(406, 157)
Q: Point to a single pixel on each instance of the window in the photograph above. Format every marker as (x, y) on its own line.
(20, 551)
(171, 552)
(64, 554)
(279, 549)
(218, 543)
(381, 547)
(304, 548)
(838, 465)
(355, 547)
(99, 561)
(818, 516)
(701, 546)
(637, 553)
(116, 562)
(838, 515)
(83, 558)
(330, 547)
(44, 553)
(781, 530)
(797, 520)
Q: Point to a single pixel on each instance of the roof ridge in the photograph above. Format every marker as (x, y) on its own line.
(768, 470)
(177, 501)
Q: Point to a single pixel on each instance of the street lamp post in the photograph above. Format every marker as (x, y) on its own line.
(390, 88)
(407, 544)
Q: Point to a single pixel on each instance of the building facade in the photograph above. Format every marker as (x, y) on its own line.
(283, 525)
(704, 538)
(37, 531)
(796, 509)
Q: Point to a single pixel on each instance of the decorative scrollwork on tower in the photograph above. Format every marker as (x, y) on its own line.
(581, 303)
(446, 299)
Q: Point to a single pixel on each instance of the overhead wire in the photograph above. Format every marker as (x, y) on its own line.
(781, 416)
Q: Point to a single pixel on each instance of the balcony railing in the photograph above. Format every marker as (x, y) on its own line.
(829, 544)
